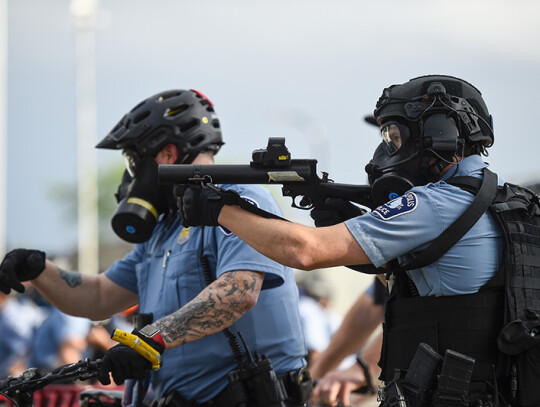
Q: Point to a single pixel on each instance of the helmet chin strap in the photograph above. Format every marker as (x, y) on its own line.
(436, 169)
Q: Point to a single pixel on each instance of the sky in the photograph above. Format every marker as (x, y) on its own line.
(306, 70)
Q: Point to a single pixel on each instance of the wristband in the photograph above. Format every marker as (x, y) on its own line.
(152, 333)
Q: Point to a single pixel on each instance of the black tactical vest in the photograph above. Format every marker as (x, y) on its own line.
(496, 326)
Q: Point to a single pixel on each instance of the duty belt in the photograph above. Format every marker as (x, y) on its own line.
(224, 399)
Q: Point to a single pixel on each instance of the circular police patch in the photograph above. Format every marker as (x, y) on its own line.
(397, 207)
(226, 231)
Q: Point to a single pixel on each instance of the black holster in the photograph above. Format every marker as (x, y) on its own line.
(255, 384)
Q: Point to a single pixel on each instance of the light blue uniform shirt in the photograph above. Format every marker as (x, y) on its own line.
(409, 223)
(166, 273)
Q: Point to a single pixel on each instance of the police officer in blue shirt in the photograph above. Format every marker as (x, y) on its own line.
(207, 301)
(19, 318)
(59, 340)
(434, 130)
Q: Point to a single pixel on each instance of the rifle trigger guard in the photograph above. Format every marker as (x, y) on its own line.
(307, 201)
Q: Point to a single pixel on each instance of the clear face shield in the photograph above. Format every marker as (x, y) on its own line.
(394, 136)
(395, 163)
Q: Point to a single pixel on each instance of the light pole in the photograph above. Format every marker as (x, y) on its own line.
(3, 123)
(84, 13)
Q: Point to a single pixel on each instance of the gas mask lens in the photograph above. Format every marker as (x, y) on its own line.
(394, 135)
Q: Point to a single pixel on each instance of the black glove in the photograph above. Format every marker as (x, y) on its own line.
(20, 265)
(334, 211)
(198, 206)
(125, 363)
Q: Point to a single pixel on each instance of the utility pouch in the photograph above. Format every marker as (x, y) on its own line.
(420, 376)
(454, 380)
(521, 341)
(412, 387)
(528, 371)
(263, 387)
(255, 383)
(237, 390)
(298, 385)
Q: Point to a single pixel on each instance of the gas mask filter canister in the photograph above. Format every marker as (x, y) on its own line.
(138, 203)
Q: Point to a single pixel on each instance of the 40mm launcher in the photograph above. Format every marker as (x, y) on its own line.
(272, 165)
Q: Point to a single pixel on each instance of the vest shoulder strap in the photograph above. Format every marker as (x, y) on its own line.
(447, 239)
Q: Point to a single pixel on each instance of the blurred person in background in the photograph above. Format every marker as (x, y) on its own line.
(357, 335)
(319, 320)
(60, 339)
(19, 319)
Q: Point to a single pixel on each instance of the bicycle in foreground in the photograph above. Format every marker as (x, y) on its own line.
(19, 391)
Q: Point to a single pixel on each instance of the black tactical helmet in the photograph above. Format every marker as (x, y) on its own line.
(426, 124)
(439, 93)
(185, 118)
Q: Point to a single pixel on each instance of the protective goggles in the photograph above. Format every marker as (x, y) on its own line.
(394, 135)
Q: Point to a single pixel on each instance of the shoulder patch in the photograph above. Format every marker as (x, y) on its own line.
(397, 207)
(226, 231)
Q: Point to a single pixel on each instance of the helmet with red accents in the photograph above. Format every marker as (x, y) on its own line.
(185, 118)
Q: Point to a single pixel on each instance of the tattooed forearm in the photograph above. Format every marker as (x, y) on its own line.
(217, 307)
(72, 279)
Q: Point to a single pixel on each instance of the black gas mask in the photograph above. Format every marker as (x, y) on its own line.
(140, 199)
(411, 154)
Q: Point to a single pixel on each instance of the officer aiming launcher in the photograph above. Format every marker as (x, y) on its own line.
(272, 165)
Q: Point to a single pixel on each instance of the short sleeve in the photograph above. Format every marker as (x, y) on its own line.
(234, 254)
(122, 272)
(398, 227)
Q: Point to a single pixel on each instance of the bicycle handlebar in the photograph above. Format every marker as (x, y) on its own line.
(20, 389)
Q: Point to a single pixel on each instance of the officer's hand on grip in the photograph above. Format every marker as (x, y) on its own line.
(201, 206)
(20, 265)
(125, 363)
(334, 211)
